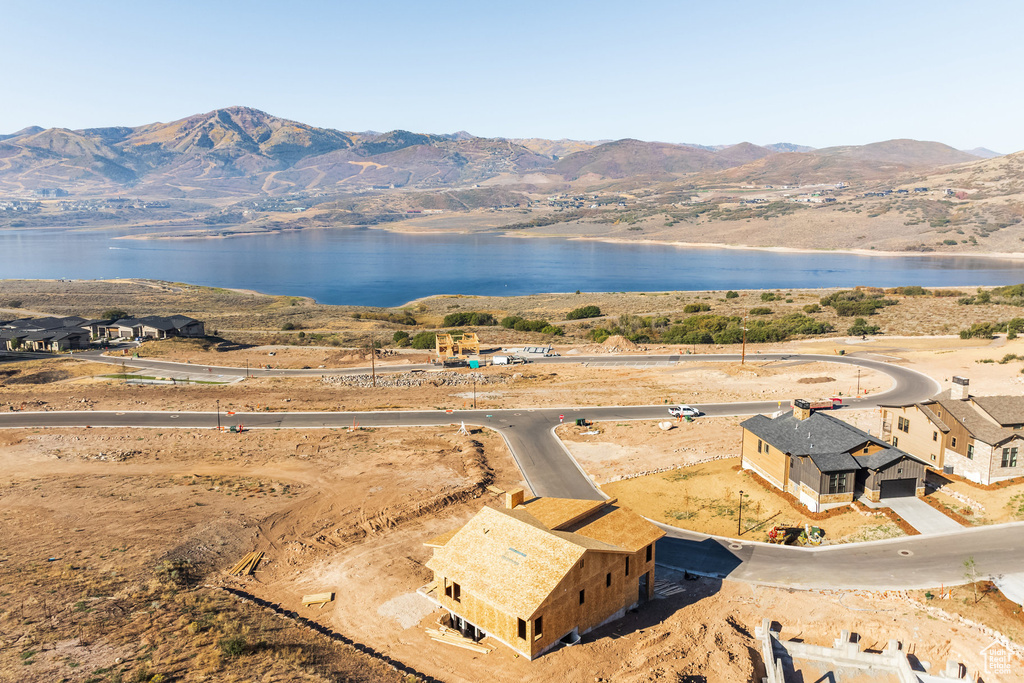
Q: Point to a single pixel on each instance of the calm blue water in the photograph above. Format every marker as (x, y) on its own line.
(379, 268)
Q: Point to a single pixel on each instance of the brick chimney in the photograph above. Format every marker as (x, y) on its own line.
(514, 498)
(961, 389)
(801, 408)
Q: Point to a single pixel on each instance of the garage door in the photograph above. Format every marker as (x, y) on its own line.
(897, 488)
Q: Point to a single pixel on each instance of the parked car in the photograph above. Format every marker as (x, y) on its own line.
(684, 411)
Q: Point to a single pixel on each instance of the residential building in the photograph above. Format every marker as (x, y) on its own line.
(538, 572)
(149, 327)
(44, 334)
(980, 438)
(824, 461)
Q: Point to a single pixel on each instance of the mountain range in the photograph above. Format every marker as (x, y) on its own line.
(239, 151)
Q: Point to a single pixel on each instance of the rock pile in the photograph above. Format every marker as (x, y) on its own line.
(415, 379)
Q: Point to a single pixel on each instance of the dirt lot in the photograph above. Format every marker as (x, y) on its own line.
(87, 519)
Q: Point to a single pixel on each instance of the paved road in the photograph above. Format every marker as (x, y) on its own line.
(912, 562)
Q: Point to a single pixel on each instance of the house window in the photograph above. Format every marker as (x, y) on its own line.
(1010, 457)
(933, 456)
(766, 449)
(837, 483)
(608, 580)
(538, 628)
(447, 588)
(583, 595)
(650, 551)
(952, 442)
(627, 566)
(895, 442)
(970, 451)
(581, 563)
(522, 628)
(759, 442)
(865, 449)
(903, 424)
(935, 436)
(456, 592)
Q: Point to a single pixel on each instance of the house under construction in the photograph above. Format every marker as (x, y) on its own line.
(449, 347)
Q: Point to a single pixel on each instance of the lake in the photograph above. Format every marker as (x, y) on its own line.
(380, 268)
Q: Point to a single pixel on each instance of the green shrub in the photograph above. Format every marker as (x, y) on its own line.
(14, 303)
(760, 310)
(812, 308)
(112, 314)
(768, 296)
(732, 295)
(468, 318)
(850, 303)
(860, 327)
(288, 326)
(399, 336)
(234, 646)
(583, 312)
(424, 340)
(553, 329)
(912, 290)
(510, 322)
(696, 308)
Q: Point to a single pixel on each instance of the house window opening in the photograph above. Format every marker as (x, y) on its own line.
(759, 445)
(837, 483)
(538, 628)
(650, 552)
(1010, 457)
(522, 628)
(608, 580)
(952, 442)
(583, 595)
(627, 566)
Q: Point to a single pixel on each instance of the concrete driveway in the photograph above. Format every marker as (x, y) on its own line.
(921, 515)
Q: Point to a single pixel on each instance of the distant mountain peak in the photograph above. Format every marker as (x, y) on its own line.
(789, 147)
(982, 152)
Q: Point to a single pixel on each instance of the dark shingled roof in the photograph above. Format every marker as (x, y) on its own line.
(1006, 410)
(817, 434)
(834, 462)
(880, 459)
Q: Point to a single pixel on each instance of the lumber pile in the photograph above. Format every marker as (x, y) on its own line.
(247, 565)
(317, 599)
(453, 637)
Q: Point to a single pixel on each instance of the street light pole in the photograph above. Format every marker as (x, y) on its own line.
(474, 393)
(743, 356)
(218, 414)
(858, 381)
(373, 365)
(739, 519)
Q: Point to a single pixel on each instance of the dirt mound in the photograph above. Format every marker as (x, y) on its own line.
(44, 377)
(617, 342)
(815, 380)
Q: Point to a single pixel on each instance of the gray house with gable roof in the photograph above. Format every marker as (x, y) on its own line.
(826, 462)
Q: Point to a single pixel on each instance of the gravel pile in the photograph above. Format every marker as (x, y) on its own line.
(415, 379)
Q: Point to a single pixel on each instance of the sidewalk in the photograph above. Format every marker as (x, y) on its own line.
(918, 514)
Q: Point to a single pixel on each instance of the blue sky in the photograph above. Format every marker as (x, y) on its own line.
(708, 72)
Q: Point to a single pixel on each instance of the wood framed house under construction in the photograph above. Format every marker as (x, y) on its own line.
(539, 572)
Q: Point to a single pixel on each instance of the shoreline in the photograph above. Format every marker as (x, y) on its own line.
(411, 230)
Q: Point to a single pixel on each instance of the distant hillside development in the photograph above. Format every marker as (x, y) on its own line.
(240, 170)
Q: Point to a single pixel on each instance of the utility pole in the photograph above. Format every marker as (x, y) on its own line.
(474, 392)
(247, 368)
(743, 356)
(218, 414)
(858, 381)
(373, 364)
(739, 519)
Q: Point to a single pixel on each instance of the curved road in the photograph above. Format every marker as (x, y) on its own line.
(911, 562)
